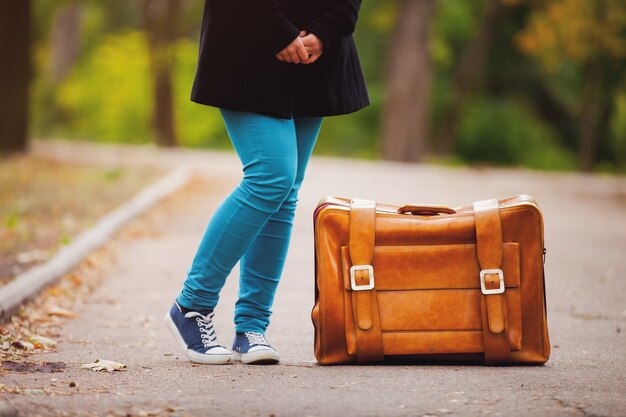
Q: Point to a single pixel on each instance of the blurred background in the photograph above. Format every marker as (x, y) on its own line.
(534, 83)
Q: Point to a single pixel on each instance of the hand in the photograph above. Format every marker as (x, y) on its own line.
(313, 45)
(295, 52)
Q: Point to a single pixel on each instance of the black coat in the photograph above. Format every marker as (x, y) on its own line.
(237, 68)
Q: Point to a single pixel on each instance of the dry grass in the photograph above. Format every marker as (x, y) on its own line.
(45, 203)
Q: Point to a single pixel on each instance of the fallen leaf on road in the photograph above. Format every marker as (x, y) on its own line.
(12, 390)
(42, 340)
(61, 312)
(76, 280)
(18, 344)
(104, 365)
(171, 409)
(29, 391)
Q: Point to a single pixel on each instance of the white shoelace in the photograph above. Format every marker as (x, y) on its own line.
(205, 324)
(255, 338)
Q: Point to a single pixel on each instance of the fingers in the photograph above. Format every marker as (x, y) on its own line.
(301, 51)
(312, 58)
(312, 42)
(293, 55)
(283, 56)
(306, 49)
(297, 52)
(312, 50)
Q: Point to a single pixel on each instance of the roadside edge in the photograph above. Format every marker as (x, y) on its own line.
(29, 283)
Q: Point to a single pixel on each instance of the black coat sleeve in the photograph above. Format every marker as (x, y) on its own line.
(339, 20)
(282, 30)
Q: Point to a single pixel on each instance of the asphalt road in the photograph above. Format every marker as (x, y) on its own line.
(585, 226)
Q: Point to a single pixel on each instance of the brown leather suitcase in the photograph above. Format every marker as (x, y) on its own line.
(429, 282)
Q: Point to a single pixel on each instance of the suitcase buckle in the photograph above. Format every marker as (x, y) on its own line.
(498, 290)
(361, 287)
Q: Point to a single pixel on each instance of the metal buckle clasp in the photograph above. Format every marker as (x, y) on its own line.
(498, 290)
(361, 287)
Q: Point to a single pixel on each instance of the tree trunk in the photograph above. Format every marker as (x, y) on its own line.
(160, 19)
(596, 101)
(470, 68)
(65, 40)
(15, 74)
(590, 113)
(406, 116)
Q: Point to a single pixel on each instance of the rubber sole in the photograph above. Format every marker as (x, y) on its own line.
(210, 359)
(258, 357)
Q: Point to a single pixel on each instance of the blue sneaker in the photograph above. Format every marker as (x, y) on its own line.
(196, 335)
(253, 348)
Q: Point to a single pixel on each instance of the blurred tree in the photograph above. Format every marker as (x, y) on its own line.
(65, 39)
(406, 113)
(468, 72)
(15, 74)
(160, 20)
(587, 37)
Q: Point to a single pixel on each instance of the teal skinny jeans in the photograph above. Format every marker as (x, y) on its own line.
(253, 224)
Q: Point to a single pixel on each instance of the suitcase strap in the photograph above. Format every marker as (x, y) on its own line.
(369, 337)
(493, 304)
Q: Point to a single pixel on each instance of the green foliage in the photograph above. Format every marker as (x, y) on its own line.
(65, 239)
(503, 132)
(198, 125)
(113, 174)
(11, 220)
(108, 97)
(618, 130)
(580, 46)
(372, 34)
(455, 23)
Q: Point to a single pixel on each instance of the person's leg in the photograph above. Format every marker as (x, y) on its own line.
(268, 153)
(262, 263)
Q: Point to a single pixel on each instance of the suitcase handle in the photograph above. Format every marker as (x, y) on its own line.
(425, 209)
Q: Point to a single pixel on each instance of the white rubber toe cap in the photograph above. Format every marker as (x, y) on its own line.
(258, 355)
